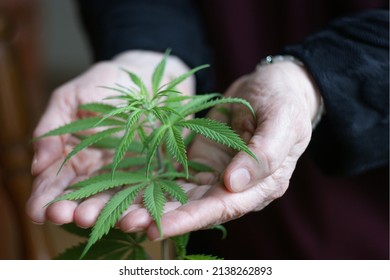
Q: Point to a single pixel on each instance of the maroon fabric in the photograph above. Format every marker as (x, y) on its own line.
(243, 32)
(319, 217)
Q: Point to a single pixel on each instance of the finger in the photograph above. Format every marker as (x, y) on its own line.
(47, 187)
(216, 207)
(243, 121)
(210, 153)
(47, 150)
(61, 212)
(137, 218)
(270, 143)
(87, 212)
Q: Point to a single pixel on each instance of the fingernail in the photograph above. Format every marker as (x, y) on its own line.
(239, 179)
(157, 239)
(33, 164)
(37, 223)
(134, 229)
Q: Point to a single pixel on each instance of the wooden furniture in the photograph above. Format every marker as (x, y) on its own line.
(19, 102)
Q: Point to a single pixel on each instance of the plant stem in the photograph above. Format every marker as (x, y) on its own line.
(164, 243)
(160, 163)
(165, 249)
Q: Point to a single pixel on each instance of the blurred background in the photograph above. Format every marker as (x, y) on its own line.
(42, 46)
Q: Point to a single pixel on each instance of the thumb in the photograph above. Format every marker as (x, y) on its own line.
(47, 150)
(270, 141)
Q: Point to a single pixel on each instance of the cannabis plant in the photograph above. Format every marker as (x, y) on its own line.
(145, 132)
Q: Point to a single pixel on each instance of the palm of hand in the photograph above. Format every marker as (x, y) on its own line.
(278, 136)
(50, 152)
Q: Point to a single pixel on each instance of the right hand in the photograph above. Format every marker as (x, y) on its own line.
(62, 109)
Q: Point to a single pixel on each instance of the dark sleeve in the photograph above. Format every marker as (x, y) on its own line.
(115, 26)
(350, 64)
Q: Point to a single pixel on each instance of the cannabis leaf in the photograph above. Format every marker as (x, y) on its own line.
(176, 147)
(116, 245)
(88, 142)
(154, 201)
(111, 213)
(101, 183)
(180, 244)
(159, 72)
(126, 139)
(218, 132)
(80, 125)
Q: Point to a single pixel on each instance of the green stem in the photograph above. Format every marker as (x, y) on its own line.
(160, 164)
(164, 243)
(165, 249)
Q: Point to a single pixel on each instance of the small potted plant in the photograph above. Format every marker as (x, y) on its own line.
(146, 133)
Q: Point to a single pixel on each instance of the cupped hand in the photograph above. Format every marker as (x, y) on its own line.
(285, 100)
(62, 109)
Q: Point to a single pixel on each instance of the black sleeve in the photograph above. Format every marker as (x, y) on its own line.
(350, 64)
(114, 26)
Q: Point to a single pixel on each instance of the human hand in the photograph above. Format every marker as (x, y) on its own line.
(285, 101)
(62, 109)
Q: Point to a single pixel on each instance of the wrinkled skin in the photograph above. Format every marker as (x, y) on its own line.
(285, 101)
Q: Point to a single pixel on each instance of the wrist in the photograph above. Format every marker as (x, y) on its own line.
(306, 83)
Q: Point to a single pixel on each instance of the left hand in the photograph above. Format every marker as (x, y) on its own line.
(285, 101)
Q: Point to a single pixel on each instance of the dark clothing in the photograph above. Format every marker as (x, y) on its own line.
(350, 64)
(319, 216)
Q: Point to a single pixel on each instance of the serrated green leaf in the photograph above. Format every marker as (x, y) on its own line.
(176, 147)
(142, 134)
(172, 84)
(174, 190)
(138, 82)
(218, 132)
(138, 253)
(126, 93)
(72, 253)
(100, 108)
(180, 244)
(197, 100)
(200, 257)
(101, 183)
(80, 125)
(126, 139)
(220, 228)
(199, 167)
(92, 139)
(175, 97)
(116, 245)
(113, 142)
(73, 229)
(211, 103)
(163, 113)
(172, 175)
(154, 202)
(189, 138)
(169, 110)
(116, 111)
(127, 162)
(170, 94)
(159, 115)
(159, 72)
(111, 212)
